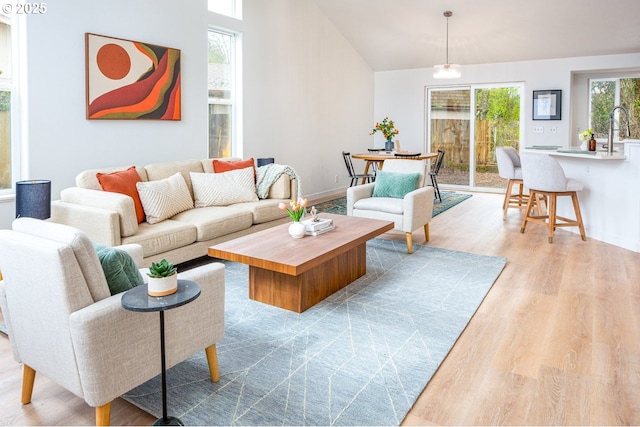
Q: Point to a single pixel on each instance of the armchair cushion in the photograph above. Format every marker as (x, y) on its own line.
(397, 185)
(390, 205)
(119, 269)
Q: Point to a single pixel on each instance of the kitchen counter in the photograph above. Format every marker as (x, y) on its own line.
(610, 201)
(553, 150)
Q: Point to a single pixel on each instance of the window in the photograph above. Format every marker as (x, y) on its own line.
(230, 8)
(605, 94)
(6, 89)
(221, 93)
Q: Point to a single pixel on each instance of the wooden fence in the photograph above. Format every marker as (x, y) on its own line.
(453, 135)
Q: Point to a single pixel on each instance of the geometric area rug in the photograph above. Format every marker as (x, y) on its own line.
(360, 357)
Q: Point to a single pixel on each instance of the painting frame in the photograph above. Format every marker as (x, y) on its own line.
(547, 104)
(130, 80)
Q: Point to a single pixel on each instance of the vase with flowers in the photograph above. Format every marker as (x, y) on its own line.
(388, 129)
(584, 138)
(295, 209)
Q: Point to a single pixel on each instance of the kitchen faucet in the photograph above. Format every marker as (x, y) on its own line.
(610, 141)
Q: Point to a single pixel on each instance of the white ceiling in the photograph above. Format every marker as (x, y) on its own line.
(403, 34)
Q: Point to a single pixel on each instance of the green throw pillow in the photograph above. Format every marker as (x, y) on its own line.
(119, 268)
(392, 184)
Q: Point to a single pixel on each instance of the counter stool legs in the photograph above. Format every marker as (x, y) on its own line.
(552, 220)
(518, 200)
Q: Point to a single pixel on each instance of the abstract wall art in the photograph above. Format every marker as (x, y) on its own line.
(131, 80)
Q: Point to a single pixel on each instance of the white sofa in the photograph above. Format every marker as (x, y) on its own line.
(110, 218)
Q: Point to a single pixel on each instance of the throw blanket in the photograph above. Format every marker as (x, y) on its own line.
(268, 174)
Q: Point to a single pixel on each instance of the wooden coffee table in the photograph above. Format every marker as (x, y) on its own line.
(295, 274)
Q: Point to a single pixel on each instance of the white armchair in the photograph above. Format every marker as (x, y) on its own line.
(412, 211)
(64, 323)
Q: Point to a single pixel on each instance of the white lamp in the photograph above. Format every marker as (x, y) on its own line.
(446, 70)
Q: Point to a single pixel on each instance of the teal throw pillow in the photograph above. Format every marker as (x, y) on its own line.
(119, 268)
(392, 184)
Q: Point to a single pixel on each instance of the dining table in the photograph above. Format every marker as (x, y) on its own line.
(378, 157)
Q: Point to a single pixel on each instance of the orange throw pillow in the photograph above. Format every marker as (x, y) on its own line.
(123, 182)
(228, 165)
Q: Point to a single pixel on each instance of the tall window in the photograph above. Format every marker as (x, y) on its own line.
(605, 94)
(232, 8)
(6, 89)
(221, 93)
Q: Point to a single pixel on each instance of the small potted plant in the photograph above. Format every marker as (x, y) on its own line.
(163, 278)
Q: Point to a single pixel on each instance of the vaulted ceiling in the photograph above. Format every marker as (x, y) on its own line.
(404, 34)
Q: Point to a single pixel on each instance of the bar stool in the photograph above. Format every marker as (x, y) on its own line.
(509, 168)
(543, 175)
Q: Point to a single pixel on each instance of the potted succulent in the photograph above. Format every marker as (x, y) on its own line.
(163, 278)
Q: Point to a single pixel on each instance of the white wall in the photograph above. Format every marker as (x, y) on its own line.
(401, 94)
(60, 141)
(307, 94)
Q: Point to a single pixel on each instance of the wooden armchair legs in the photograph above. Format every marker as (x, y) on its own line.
(212, 360)
(410, 238)
(28, 378)
(103, 412)
(103, 415)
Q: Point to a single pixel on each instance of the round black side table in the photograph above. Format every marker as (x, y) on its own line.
(137, 299)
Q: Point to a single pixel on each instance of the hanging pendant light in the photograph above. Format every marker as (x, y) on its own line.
(446, 70)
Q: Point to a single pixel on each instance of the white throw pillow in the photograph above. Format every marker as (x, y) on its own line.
(164, 198)
(223, 189)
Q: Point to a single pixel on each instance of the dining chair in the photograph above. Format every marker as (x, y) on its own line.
(543, 175)
(352, 174)
(434, 174)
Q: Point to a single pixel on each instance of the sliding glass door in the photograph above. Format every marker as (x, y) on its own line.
(449, 127)
(496, 122)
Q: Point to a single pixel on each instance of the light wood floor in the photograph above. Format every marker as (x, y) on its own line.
(555, 342)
